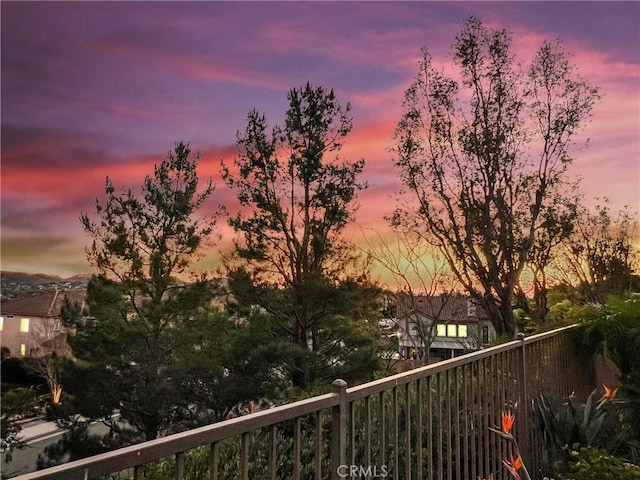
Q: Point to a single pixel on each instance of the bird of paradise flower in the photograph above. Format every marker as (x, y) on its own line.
(515, 466)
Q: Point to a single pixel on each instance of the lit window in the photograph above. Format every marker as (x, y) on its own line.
(462, 331)
(451, 330)
(24, 325)
(23, 349)
(1, 323)
(442, 330)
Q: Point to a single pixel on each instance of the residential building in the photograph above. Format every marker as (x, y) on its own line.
(31, 326)
(437, 327)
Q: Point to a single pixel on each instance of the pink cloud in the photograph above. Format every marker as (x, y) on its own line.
(127, 79)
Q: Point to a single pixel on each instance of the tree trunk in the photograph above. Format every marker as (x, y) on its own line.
(300, 365)
(508, 321)
(500, 313)
(540, 299)
(150, 428)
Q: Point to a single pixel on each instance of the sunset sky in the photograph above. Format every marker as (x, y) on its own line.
(91, 89)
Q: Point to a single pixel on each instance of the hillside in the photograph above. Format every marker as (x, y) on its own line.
(19, 284)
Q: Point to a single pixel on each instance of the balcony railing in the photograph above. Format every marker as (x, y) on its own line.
(428, 423)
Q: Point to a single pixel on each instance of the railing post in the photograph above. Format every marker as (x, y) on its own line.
(523, 440)
(340, 415)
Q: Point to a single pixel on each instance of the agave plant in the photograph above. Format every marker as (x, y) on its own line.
(565, 423)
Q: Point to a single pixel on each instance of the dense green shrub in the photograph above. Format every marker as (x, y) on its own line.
(589, 463)
(17, 373)
(616, 332)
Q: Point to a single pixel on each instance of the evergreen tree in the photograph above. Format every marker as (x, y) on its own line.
(298, 202)
(151, 344)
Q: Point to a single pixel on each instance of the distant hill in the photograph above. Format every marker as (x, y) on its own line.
(19, 284)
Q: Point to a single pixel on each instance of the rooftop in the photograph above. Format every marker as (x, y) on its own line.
(46, 304)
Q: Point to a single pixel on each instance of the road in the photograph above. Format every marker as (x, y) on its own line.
(24, 460)
(45, 434)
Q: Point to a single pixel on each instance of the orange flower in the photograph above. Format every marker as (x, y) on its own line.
(507, 422)
(517, 463)
(513, 466)
(609, 393)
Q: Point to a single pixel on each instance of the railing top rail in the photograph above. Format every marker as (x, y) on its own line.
(138, 454)
(377, 386)
(551, 333)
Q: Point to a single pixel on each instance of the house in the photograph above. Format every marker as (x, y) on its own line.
(31, 326)
(437, 327)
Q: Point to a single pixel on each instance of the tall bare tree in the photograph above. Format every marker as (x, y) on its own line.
(482, 155)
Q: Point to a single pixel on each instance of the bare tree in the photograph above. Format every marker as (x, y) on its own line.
(418, 272)
(49, 341)
(483, 158)
(413, 263)
(49, 368)
(600, 257)
(557, 228)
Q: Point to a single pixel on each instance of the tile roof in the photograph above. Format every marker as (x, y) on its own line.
(445, 308)
(46, 304)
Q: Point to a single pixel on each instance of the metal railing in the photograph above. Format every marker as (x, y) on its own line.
(428, 423)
